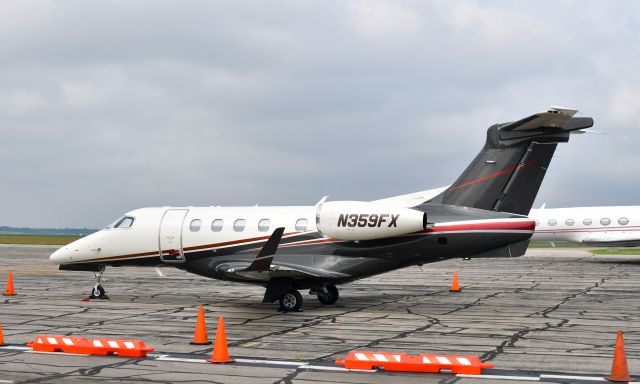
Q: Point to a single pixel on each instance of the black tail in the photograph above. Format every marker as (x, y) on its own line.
(507, 173)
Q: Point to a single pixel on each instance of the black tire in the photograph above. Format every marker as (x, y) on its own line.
(97, 292)
(291, 301)
(330, 297)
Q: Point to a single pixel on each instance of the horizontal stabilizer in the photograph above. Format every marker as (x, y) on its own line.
(554, 117)
(262, 262)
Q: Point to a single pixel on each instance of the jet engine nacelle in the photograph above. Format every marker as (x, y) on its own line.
(359, 220)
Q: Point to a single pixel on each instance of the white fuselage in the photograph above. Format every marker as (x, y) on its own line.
(171, 230)
(615, 225)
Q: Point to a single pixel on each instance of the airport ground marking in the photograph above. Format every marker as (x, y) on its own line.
(326, 368)
(500, 377)
(16, 347)
(307, 366)
(566, 377)
(178, 359)
(270, 362)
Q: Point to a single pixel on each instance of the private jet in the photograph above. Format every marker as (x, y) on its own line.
(595, 226)
(318, 247)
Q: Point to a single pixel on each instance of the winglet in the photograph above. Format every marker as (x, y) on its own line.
(262, 262)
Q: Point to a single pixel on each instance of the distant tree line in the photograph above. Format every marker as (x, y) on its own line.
(47, 231)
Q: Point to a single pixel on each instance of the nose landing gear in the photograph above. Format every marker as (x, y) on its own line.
(98, 292)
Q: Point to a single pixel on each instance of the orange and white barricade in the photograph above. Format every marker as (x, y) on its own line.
(80, 345)
(402, 362)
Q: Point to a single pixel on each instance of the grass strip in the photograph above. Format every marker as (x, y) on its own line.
(38, 239)
(616, 251)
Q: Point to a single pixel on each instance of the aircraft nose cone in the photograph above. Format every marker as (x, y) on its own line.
(60, 256)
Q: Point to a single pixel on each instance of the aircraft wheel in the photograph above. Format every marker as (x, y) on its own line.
(330, 296)
(291, 301)
(97, 292)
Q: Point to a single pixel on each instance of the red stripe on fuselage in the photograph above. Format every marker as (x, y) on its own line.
(233, 242)
(591, 229)
(307, 242)
(528, 225)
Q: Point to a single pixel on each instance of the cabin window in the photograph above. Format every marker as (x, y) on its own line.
(195, 225)
(569, 222)
(239, 225)
(216, 225)
(301, 225)
(125, 222)
(605, 221)
(263, 225)
(587, 221)
(552, 222)
(623, 221)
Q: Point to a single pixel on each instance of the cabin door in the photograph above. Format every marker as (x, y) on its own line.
(170, 235)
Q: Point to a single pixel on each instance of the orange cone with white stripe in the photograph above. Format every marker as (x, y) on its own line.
(619, 368)
(200, 335)
(8, 291)
(220, 353)
(1, 337)
(455, 287)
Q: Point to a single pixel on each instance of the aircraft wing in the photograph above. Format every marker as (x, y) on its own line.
(276, 271)
(554, 117)
(611, 240)
(411, 199)
(264, 268)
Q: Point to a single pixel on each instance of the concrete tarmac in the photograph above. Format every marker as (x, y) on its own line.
(549, 316)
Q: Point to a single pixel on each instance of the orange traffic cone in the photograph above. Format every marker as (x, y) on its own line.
(200, 335)
(619, 369)
(1, 337)
(220, 352)
(8, 291)
(454, 284)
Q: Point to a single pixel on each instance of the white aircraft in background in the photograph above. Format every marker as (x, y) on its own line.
(598, 226)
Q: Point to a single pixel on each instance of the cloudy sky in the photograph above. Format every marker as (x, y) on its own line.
(108, 106)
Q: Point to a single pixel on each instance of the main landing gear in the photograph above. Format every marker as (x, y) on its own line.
(292, 300)
(328, 294)
(98, 292)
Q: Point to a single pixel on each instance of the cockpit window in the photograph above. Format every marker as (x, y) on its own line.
(125, 222)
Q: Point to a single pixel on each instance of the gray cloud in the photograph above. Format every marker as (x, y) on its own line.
(113, 105)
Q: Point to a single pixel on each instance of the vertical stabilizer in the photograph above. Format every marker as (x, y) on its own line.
(506, 175)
